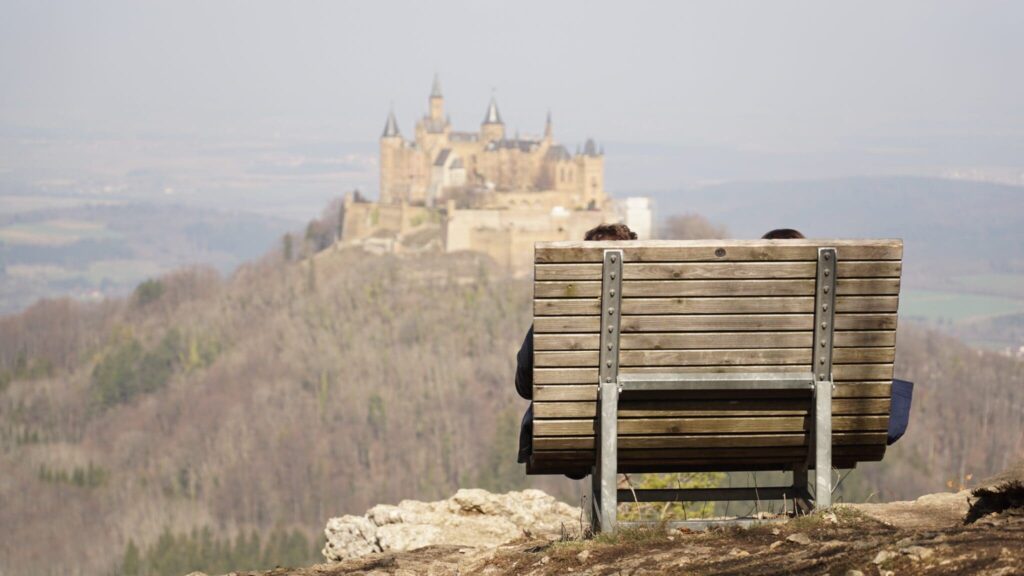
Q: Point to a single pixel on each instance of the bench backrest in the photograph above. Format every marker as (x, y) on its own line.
(729, 306)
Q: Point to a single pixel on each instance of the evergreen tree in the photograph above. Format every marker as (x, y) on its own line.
(132, 563)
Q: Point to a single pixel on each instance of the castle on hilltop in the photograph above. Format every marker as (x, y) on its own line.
(484, 191)
(494, 169)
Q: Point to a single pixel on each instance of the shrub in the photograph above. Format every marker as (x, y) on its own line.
(149, 291)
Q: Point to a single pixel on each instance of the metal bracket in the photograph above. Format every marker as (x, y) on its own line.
(604, 478)
(824, 331)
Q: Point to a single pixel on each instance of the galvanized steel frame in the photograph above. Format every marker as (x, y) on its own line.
(604, 477)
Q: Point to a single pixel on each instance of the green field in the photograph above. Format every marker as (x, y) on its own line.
(954, 307)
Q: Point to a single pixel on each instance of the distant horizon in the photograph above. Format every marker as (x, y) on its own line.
(914, 84)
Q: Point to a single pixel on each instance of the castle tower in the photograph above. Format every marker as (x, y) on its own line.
(548, 130)
(590, 166)
(436, 101)
(492, 128)
(391, 145)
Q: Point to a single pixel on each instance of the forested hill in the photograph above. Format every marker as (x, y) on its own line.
(224, 421)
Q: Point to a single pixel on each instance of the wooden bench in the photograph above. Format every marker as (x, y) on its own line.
(722, 355)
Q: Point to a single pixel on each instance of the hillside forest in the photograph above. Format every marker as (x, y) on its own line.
(216, 423)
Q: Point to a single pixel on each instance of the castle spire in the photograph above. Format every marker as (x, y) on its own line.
(435, 90)
(493, 116)
(547, 127)
(391, 127)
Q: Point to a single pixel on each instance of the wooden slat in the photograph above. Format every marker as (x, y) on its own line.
(701, 340)
(567, 341)
(556, 324)
(868, 269)
(863, 355)
(718, 250)
(755, 357)
(568, 359)
(863, 287)
(712, 323)
(564, 376)
(557, 289)
(565, 392)
(704, 340)
(840, 372)
(714, 271)
(680, 408)
(750, 305)
(718, 271)
(712, 357)
(865, 321)
(681, 458)
(873, 389)
(706, 441)
(684, 288)
(585, 427)
(723, 288)
(588, 392)
(858, 372)
(644, 467)
(589, 375)
(717, 322)
(865, 338)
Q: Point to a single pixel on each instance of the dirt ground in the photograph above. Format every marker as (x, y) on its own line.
(926, 536)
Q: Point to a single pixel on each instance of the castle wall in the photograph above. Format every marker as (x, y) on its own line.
(508, 235)
(370, 219)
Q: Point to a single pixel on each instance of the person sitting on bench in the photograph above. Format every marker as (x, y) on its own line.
(524, 360)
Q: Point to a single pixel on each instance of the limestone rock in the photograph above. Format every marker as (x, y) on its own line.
(883, 556)
(472, 518)
(799, 538)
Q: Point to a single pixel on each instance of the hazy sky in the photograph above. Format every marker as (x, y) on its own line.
(775, 76)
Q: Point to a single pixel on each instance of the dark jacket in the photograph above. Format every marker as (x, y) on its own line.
(899, 409)
(524, 386)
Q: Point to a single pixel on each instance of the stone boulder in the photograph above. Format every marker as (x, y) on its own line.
(471, 518)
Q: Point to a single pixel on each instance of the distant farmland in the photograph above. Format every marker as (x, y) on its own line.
(956, 307)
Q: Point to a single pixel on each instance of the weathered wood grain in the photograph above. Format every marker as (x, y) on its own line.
(719, 271)
(701, 340)
(712, 357)
(627, 426)
(588, 392)
(718, 250)
(708, 441)
(681, 408)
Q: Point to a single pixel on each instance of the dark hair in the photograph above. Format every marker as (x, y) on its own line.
(610, 232)
(783, 234)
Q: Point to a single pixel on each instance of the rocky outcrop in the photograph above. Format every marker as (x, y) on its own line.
(471, 518)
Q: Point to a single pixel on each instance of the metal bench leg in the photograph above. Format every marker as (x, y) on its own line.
(823, 443)
(606, 483)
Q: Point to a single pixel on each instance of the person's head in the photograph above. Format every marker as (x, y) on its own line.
(783, 234)
(610, 232)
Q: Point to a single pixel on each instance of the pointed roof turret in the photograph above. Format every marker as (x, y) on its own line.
(547, 126)
(493, 116)
(391, 127)
(435, 90)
